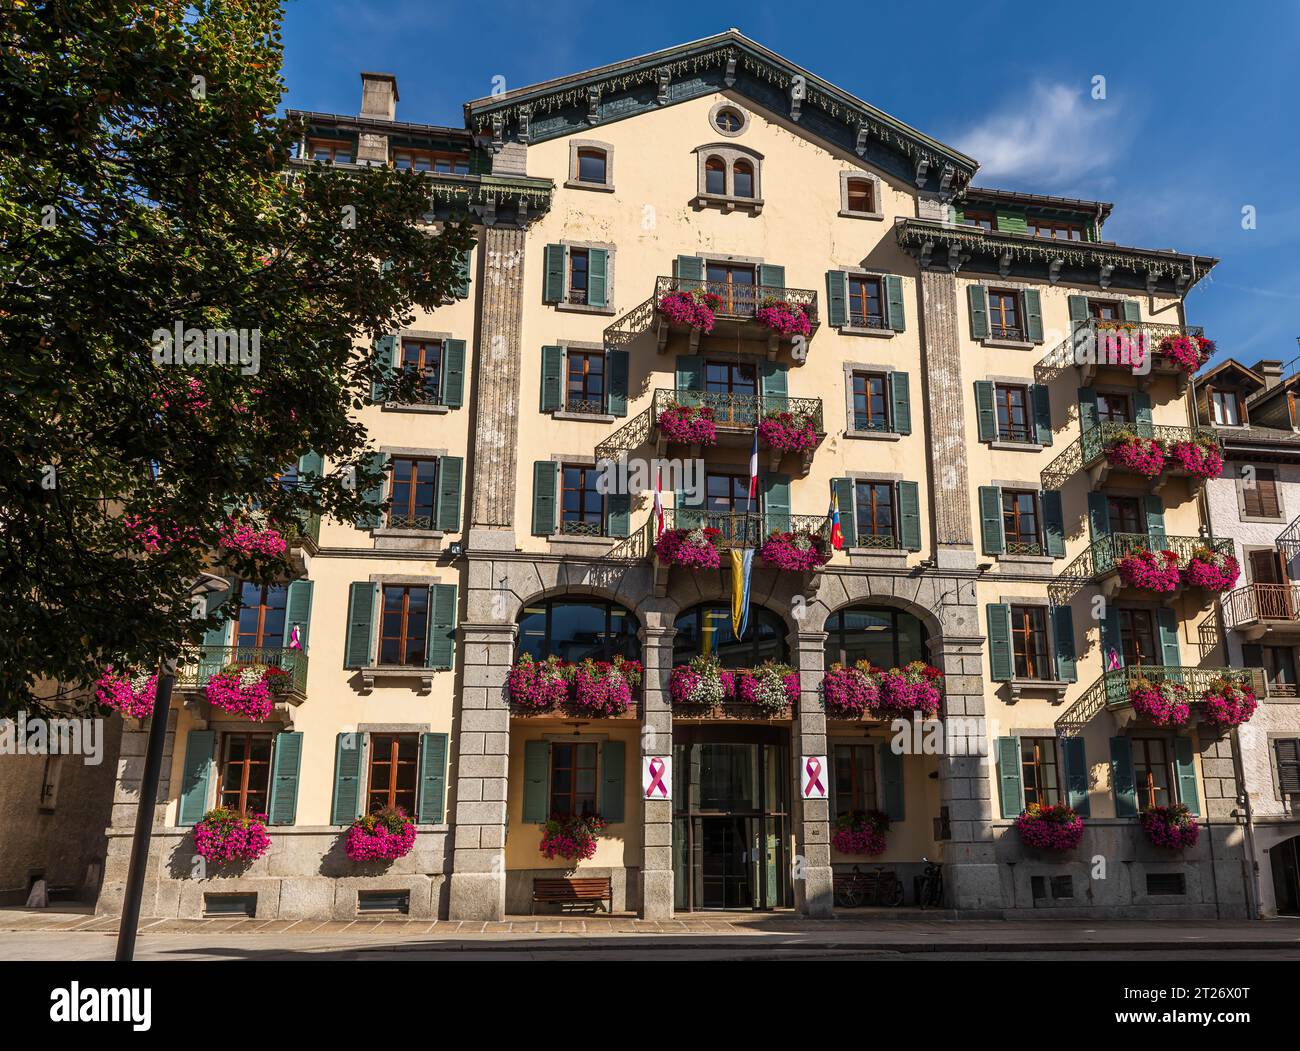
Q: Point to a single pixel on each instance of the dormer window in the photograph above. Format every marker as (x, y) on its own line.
(413, 160)
(330, 151)
(1055, 230)
(729, 177)
(1226, 408)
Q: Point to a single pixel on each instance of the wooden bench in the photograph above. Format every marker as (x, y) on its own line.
(574, 892)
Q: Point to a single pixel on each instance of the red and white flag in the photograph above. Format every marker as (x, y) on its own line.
(659, 504)
(753, 471)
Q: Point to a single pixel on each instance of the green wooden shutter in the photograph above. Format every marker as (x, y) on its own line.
(219, 636)
(196, 774)
(462, 275)
(891, 782)
(1098, 516)
(440, 647)
(349, 771)
(545, 482)
(373, 496)
(1121, 777)
(1053, 523)
(612, 761)
(1075, 759)
(1000, 667)
(991, 519)
(1132, 310)
(1063, 635)
(386, 359)
(597, 277)
(453, 373)
(985, 415)
(771, 276)
(1143, 423)
(552, 378)
(901, 395)
(1042, 413)
(616, 402)
(285, 764)
(432, 808)
(361, 624)
(690, 377)
(311, 467)
(775, 386)
(690, 270)
(1087, 409)
(1011, 790)
(978, 300)
(894, 303)
(846, 496)
(618, 514)
(297, 610)
(537, 768)
(1169, 652)
(553, 289)
(1033, 308)
(1078, 308)
(451, 470)
(1155, 515)
(909, 515)
(837, 298)
(776, 502)
(1012, 223)
(1185, 767)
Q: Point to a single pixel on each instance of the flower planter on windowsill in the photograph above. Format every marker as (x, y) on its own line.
(703, 689)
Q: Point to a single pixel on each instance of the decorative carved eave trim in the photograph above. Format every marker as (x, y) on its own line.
(995, 251)
(378, 126)
(728, 53)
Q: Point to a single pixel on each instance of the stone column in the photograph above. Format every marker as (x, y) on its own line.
(812, 869)
(496, 389)
(945, 396)
(1223, 824)
(656, 739)
(478, 877)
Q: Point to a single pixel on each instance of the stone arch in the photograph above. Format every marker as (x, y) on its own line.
(917, 596)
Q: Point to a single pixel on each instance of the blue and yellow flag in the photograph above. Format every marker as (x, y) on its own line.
(742, 562)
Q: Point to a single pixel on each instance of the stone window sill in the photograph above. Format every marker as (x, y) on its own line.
(583, 417)
(401, 672)
(583, 541)
(879, 436)
(728, 203)
(1008, 344)
(1027, 560)
(845, 213)
(584, 308)
(393, 406)
(1020, 447)
(599, 187)
(423, 534)
(1055, 687)
(886, 552)
(1259, 520)
(877, 333)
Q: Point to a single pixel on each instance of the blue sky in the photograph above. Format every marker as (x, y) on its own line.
(1198, 122)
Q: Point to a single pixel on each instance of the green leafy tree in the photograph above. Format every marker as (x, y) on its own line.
(145, 181)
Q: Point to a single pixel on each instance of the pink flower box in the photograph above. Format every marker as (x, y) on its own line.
(772, 688)
(784, 318)
(688, 425)
(1172, 827)
(695, 309)
(1160, 703)
(245, 691)
(603, 689)
(538, 686)
(1189, 353)
(1228, 703)
(1198, 459)
(572, 838)
(785, 432)
(880, 693)
(258, 543)
(1211, 570)
(693, 548)
(702, 682)
(861, 832)
(131, 696)
(1143, 456)
(794, 552)
(1050, 827)
(385, 835)
(1150, 571)
(849, 693)
(223, 836)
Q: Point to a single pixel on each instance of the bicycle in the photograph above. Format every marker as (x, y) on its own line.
(929, 885)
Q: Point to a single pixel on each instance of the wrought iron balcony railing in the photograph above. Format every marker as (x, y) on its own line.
(1112, 691)
(1288, 541)
(1129, 345)
(741, 411)
(200, 665)
(1090, 447)
(742, 529)
(1255, 603)
(741, 301)
(1104, 554)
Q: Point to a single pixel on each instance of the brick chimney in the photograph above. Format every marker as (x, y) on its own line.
(379, 95)
(1271, 371)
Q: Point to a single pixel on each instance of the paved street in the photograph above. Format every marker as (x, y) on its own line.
(77, 935)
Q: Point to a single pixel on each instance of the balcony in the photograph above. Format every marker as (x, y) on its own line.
(736, 313)
(1111, 692)
(1116, 348)
(736, 415)
(1099, 562)
(1088, 453)
(1259, 610)
(206, 661)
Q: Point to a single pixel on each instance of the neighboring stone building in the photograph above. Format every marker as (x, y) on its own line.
(1257, 503)
(958, 405)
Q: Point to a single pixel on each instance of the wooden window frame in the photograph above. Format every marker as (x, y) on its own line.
(733, 369)
(1226, 399)
(1072, 231)
(1002, 402)
(573, 793)
(1257, 491)
(1031, 780)
(1005, 308)
(1108, 415)
(869, 191)
(334, 146)
(591, 152)
(245, 767)
(752, 172)
(1146, 791)
(392, 759)
(572, 294)
(1138, 625)
(986, 221)
(407, 517)
(404, 638)
(428, 350)
(1012, 517)
(582, 525)
(1127, 502)
(584, 400)
(1031, 643)
(714, 164)
(866, 420)
(261, 642)
(862, 794)
(871, 486)
(861, 300)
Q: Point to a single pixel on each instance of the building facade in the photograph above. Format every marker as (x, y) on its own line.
(955, 393)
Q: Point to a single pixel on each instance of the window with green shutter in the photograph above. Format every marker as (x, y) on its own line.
(895, 312)
(1033, 309)
(990, 502)
(1042, 400)
(453, 373)
(1077, 784)
(1063, 638)
(999, 620)
(1009, 783)
(909, 516)
(440, 647)
(360, 643)
(386, 365)
(349, 774)
(776, 502)
(985, 415)
(196, 776)
(613, 776)
(977, 299)
(891, 783)
(837, 297)
(545, 483)
(451, 470)
(373, 495)
(1121, 777)
(537, 772)
(597, 277)
(846, 500)
(616, 399)
(297, 612)
(1053, 523)
(552, 378)
(285, 765)
(432, 807)
(901, 397)
(553, 280)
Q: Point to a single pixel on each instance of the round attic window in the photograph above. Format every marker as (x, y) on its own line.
(728, 119)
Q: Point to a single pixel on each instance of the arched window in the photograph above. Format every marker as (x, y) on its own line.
(706, 629)
(859, 192)
(888, 638)
(742, 179)
(573, 629)
(715, 176)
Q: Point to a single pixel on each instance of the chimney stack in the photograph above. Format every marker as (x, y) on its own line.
(1271, 371)
(379, 95)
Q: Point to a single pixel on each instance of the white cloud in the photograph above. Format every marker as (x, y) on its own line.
(1051, 135)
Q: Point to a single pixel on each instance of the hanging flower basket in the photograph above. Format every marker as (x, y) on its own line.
(787, 433)
(693, 548)
(902, 691)
(1228, 702)
(1200, 458)
(604, 689)
(1150, 571)
(249, 540)
(794, 552)
(688, 425)
(1131, 452)
(1189, 353)
(1050, 827)
(224, 835)
(1172, 827)
(695, 309)
(850, 692)
(1211, 570)
(771, 687)
(156, 535)
(786, 319)
(132, 696)
(1160, 702)
(538, 686)
(860, 832)
(571, 838)
(245, 689)
(702, 682)
(385, 835)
